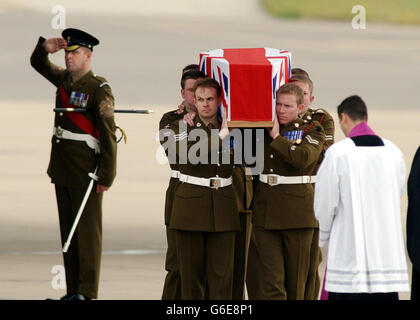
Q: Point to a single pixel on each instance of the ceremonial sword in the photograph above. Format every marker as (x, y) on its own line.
(82, 110)
(93, 177)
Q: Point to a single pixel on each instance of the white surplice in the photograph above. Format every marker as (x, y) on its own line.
(357, 204)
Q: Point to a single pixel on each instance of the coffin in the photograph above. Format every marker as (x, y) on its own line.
(249, 79)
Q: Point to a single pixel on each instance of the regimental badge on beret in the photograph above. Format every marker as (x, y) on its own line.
(77, 38)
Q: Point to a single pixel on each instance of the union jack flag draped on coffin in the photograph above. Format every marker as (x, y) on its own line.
(249, 79)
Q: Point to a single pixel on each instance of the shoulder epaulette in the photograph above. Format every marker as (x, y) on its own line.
(318, 111)
(102, 81)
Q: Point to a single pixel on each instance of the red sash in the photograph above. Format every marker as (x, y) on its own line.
(77, 118)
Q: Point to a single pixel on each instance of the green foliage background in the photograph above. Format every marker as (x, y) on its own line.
(390, 11)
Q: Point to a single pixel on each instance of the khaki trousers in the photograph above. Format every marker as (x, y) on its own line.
(285, 259)
(254, 274)
(172, 285)
(241, 256)
(205, 261)
(313, 282)
(83, 259)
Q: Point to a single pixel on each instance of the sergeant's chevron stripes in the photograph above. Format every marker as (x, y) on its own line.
(311, 140)
(179, 137)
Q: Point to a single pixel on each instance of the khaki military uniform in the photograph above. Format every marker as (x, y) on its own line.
(172, 286)
(254, 275)
(284, 220)
(70, 162)
(205, 219)
(327, 122)
(243, 189)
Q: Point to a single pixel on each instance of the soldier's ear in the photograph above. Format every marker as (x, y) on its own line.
(344, 118)
(301, 107)
(312, 99)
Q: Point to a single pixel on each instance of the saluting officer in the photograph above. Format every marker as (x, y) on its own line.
(284, 221)
(172, 286)
(204, 213)
(80, 141)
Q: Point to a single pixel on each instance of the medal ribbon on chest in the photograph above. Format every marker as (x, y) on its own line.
(294, 136)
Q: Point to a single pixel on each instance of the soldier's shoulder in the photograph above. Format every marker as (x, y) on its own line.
(169, 119)
(100, 81)
(318, 113)
(171, 114)
(312, 127)
(313, 132)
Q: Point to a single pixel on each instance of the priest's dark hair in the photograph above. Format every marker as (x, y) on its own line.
(354, 107)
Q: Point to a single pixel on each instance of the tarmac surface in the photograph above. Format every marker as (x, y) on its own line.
(144, 46)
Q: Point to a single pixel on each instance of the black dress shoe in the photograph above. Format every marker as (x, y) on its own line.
(78, 296)
(65, 297)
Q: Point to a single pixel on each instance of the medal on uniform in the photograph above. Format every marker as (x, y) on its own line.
(289, 135)
(294, 136)
(79, 99)
(299, 137)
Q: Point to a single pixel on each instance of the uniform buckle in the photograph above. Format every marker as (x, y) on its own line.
(215, 183)
(59, 132)
(272, 180)
(306, 179)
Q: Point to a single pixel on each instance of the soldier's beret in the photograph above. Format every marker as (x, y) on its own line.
(76, 38)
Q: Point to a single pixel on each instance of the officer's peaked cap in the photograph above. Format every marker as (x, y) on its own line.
(76, 38)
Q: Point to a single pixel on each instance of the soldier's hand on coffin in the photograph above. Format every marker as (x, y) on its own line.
(275, 130)
(52, 45)
(189, 118)
(101, 188)
(224, 129)
(181, 108)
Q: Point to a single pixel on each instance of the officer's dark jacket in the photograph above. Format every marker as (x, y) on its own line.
(413, 212)
(289, 206)
(199, 208)
(70, 160)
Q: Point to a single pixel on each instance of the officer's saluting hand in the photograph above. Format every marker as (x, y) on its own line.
(53, 45)
(82, 143)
